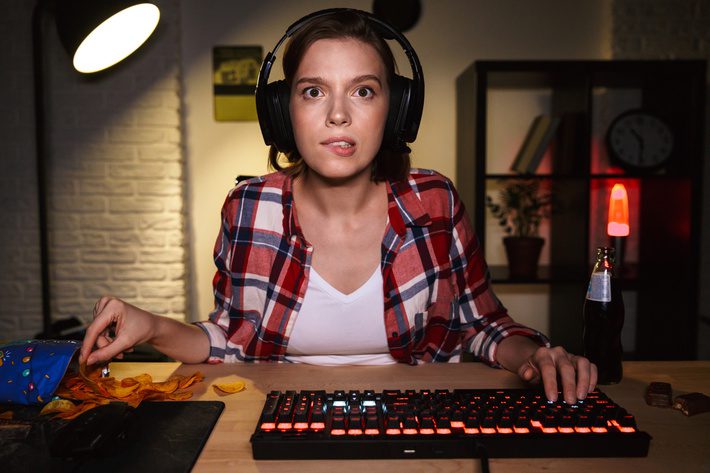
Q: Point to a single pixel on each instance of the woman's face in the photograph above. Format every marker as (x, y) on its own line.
(339, 104)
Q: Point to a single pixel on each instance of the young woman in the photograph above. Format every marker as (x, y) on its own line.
(345, 255)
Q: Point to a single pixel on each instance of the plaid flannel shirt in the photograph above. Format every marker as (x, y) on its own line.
(437, 292)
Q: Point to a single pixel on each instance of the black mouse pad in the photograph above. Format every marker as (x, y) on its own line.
(162, 436)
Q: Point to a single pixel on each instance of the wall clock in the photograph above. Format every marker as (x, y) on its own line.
(639, 140)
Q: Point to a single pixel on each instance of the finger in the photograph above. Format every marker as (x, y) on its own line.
(93, 332)
(548, 373)
(102, 341)
(100, 305)
(568, 379)
(119, 345)
(593, 377)
(584, 373)
(528, 373)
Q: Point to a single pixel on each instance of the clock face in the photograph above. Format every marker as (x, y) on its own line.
(639, 140)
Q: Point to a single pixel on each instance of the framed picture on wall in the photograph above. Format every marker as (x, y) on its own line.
(235, 70)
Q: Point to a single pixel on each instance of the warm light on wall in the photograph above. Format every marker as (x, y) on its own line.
(618, 221)
(97, 34)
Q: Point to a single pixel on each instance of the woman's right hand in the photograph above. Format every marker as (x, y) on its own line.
(130, 326)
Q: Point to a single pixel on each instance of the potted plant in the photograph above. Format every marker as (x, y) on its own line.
(520, 209)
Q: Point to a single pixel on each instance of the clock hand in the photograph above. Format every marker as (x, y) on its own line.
(638, 136)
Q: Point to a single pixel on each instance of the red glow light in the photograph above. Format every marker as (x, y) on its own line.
(618, 221)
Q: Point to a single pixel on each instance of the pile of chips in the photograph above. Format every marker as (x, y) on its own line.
(82, 391)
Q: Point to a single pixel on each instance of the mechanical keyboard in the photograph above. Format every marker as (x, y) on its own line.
(503, 423)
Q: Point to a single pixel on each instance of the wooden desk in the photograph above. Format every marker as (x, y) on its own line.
(679, 443)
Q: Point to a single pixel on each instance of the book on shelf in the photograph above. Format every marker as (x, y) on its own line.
(541, 131)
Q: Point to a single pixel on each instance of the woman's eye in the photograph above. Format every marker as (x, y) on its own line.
(312, 92)
(364, 92)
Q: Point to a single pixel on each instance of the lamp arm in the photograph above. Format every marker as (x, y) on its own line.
(38, 24)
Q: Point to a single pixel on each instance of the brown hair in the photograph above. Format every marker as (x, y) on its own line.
(388, 164)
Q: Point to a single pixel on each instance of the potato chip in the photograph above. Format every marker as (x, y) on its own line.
(144, 378)
(168, 386)
(187, 381)
(180, 396)
(58, 405)
(229, 388)
(91, 390)
(81, 408)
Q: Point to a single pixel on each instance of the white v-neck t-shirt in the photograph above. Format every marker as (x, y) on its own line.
(333, 328)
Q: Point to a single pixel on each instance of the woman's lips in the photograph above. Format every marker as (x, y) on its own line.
(341, 146)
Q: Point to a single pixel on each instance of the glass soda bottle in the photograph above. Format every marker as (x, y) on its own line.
(603, 314)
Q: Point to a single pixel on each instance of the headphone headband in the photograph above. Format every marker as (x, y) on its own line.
(406, 102)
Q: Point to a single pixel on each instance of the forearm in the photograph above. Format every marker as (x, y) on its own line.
(183, 342)
(515, 350)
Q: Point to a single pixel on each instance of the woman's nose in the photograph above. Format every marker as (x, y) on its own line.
(338, 113)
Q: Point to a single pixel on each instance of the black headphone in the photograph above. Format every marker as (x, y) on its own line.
(406, 95)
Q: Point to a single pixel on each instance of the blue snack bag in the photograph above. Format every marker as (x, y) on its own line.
(30, 370)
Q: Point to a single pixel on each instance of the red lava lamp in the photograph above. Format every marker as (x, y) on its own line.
(618, 221)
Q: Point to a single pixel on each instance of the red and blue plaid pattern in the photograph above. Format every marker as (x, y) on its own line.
(438, 299)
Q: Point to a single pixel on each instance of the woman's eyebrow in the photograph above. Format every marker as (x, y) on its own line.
(355, 80)
(365, 78)
(310, 80)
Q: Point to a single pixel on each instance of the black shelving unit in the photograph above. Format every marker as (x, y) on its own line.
(664, 275)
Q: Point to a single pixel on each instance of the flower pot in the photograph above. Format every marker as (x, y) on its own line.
(523, 256)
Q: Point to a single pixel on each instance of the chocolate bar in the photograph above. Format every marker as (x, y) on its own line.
(659, 394)
(692, 403)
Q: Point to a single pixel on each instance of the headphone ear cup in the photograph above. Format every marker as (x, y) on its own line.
(278, 95)
(398, 119)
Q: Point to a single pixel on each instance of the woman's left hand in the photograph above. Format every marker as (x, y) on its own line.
(576, 374)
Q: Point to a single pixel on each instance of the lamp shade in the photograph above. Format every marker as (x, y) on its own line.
(100, 33)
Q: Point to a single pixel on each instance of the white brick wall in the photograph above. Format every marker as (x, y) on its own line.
(116, 184)
(661, 29)
(673, 29)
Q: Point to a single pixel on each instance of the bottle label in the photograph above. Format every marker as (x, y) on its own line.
(599, 287)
